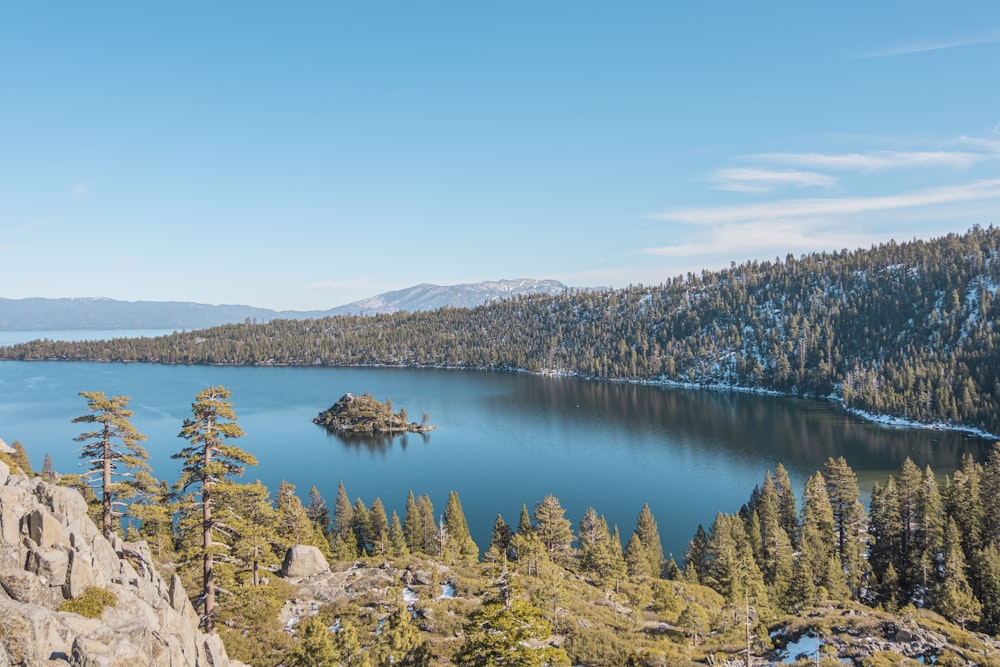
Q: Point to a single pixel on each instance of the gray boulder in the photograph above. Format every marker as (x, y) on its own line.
(303, 560)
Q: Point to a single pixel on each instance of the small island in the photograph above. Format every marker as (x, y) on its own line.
(365, 415)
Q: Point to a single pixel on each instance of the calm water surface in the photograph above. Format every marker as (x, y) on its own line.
(503, 440)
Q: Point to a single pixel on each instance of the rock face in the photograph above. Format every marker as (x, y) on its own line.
(303, 560)
(50, 551)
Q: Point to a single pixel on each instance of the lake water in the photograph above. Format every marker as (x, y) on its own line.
(502, 439)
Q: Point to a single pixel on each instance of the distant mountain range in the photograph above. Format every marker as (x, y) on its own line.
(37, 314)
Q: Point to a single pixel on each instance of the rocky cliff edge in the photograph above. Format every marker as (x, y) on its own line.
(51, 551)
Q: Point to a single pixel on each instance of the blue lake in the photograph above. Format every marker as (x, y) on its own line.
(502, 440)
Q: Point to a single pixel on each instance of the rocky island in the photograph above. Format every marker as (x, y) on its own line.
(362, 415)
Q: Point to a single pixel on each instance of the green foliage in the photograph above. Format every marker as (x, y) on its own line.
(502, 634)
(248, 623)
(20, 459)
(116, 460)
(365, 415)
(91, 602)
(553, 529)
(208, 461)
(459, 545)
(597, 647)
(315, 647)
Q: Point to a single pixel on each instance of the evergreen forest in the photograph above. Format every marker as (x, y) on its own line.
(900, 329)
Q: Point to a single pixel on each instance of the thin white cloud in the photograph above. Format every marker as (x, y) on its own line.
(765, 180)
(794, 209)
(767, 238)
(80, 189)
(991, 145)
(878, 160)
(924, 47)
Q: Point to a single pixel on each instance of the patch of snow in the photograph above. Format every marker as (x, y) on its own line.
(806, 646)
(409, 595)
(447, 590)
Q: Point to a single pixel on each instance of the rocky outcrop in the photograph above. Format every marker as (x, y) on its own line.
(854, 634)
(50, 551)
(303, 560)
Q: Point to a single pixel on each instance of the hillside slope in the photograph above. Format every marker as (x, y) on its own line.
(902, 329)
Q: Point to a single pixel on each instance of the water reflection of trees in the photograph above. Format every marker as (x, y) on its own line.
(376, 443)
(797, 432)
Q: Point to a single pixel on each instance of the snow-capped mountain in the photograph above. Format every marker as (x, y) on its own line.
(431, 297)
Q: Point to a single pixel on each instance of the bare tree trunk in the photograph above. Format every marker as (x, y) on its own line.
(106, 526)
(209, 573)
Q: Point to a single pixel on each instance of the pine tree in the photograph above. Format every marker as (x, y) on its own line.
(990, 481)
(775, 546)
(315, 647)
(362, 527)
(964, 503)
(649, 534)
(524, 521)
(694, 622)
(155, 515)
(461, 547)
(380, 539)
(886, 537)
(400, 643)
(397, 538)
(47, 471)
(112, 453)
(818, 530)
(428, 526)
(20, 458)
(318, 512)
(802, 587)
(251, 525)
(636, 558)
(734, 573)
(208, 461)
(348, 648)
(787, 511)
(929, 538)
(553, 529)
(343, 512)
(411, 525)
(851, 522)
(343, 542)
(986, 582)
(953, 598)
(501, 536)
(696, 556)
(293, 524)
(909, 491)
(506, 633)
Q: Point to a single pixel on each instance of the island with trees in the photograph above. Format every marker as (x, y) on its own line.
(363, 415)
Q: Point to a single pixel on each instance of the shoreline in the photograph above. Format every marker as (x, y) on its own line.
(882, 420)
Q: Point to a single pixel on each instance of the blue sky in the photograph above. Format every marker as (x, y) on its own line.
(304, 155)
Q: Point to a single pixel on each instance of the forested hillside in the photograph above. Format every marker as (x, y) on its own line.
(903, 329)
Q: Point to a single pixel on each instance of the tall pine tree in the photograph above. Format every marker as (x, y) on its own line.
(209, 460)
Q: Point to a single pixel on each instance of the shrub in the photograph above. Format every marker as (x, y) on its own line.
(91, 602)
